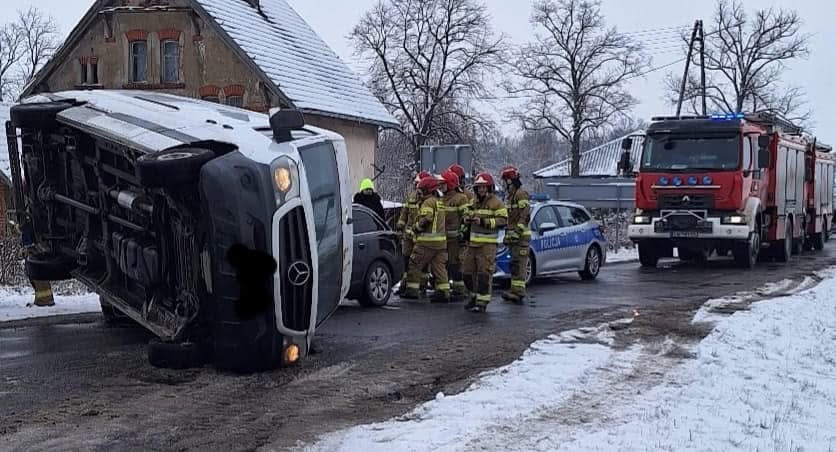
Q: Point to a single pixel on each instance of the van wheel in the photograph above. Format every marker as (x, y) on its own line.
(45, 267)
(172, 167)
(648, 255)
(176, 355)
(40, 115)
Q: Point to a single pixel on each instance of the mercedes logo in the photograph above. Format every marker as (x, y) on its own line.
(686, 198)
(299, 273)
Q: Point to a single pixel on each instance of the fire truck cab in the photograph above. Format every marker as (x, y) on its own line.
(732, 183)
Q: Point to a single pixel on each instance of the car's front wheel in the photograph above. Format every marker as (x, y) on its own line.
(377, 287)
(592, 265)
(172, 167)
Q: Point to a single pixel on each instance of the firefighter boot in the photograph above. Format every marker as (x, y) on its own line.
(43, 293)
(511, 297)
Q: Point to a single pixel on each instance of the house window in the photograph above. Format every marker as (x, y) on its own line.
(235, 101)
(83, 72)
(94, 73)
(171, 61)
(139, 61)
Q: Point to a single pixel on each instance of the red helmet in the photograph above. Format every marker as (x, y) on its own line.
(451, 179)
(510, 173)
(458, 169)
(484, 179)
(428, 184)
(422, 175)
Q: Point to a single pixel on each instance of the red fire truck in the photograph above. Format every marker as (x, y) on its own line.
(738, 183)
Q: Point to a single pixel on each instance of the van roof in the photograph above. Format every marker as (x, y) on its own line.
(153, 121)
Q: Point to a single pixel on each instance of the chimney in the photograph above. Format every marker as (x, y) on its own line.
(255, 4)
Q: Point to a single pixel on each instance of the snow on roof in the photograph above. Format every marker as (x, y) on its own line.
(598, 161)
(296, 59)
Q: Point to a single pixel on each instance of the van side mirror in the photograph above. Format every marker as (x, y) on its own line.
(763, 141)
(763, 157)
(627, 144)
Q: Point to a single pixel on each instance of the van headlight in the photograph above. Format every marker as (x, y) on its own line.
(734, 219)
(285, 175)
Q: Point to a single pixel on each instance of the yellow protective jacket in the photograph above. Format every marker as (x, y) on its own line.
(492, 216)
(409, 212)
(519, 215)
(456, 205)
(429, 227)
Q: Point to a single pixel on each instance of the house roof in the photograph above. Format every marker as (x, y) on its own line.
(285, 52)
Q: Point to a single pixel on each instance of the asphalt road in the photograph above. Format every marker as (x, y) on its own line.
(74, 383)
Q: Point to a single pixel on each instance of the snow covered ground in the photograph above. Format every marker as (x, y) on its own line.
(14, 304)
(623, 255)
(763, 379)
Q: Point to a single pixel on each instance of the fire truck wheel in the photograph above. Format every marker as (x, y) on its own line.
(746, 253)
(783, 249)
(818, 241)
(648, 255)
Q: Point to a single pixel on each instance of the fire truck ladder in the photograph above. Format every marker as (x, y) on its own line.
(775, 122)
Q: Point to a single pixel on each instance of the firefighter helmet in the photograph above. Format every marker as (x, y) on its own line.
(428, 185)
(459, 170)
(484, 179)
(451, 179)
(422, 175)
(510, 173)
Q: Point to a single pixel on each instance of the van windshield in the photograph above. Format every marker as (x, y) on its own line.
(669, 152)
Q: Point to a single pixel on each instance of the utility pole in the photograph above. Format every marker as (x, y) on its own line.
(697, 35)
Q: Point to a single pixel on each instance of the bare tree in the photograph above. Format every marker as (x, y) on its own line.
(745, 58)
(40, 39)
(427, 57)
(11, 44)
(575, 73)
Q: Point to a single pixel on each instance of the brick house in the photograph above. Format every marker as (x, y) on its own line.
(254, 54)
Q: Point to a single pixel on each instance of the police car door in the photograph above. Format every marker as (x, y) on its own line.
(326, 170)
(546, 239)
(575, 222)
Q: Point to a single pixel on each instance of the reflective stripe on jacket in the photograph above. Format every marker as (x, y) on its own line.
(519, 215)
(492, 215)
(430, 224)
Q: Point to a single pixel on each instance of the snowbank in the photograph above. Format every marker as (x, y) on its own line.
(762, 380)
(14, 304)
(623, 255)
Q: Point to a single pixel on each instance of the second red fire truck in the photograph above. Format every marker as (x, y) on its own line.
(750, 185)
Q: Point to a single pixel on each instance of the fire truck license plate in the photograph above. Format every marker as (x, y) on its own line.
(684, 234)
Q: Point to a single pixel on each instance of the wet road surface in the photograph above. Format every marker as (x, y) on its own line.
(75, 383)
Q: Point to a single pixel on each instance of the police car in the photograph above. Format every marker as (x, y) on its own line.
(564, 238)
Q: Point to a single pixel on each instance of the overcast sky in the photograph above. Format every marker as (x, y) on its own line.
(333, 20)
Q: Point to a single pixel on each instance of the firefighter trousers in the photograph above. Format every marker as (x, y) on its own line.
(436, 259)
(407, 245)
(519, 267)
(454, 266)
(478, 268)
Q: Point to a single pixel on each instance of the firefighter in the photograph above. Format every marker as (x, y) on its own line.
(430, 244)
(456, 205)
(459, 170)
(406, 220)
(517, 233)
(485, 218)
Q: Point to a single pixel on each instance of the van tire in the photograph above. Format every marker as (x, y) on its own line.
(172, 167)
(40, 115)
